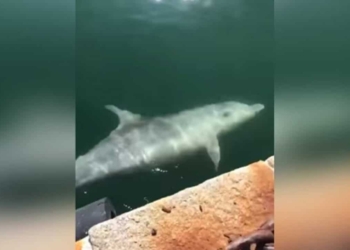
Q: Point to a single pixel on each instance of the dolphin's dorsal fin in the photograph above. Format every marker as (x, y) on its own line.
(125, 117)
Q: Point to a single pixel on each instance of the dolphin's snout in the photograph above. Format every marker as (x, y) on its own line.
(257, 107)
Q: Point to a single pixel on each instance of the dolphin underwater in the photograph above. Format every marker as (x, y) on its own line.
(139, 142)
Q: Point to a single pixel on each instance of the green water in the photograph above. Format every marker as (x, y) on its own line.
(156, 58)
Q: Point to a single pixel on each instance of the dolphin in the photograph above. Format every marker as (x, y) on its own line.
(140, 143)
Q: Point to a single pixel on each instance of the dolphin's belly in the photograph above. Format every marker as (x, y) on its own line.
(160, 142)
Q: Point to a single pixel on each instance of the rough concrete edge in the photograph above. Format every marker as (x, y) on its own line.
(85, 244)
(185, 189)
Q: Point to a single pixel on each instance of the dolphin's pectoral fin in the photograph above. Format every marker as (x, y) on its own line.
(125, 117)
(213, 150)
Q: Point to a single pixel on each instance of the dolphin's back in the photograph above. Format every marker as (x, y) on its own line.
(106, 156)
(152, 142)
(155, 141)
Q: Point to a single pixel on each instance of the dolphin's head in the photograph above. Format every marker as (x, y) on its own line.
(229, 114)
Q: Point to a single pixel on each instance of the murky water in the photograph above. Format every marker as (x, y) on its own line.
(159, 57)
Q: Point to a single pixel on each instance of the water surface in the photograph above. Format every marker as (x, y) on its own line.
(160, 57)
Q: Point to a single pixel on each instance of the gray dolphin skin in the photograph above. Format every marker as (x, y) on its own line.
(139, 143)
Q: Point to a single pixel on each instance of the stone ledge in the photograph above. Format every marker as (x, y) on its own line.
(196, 218)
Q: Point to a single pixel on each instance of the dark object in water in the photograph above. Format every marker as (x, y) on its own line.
(92, 214)
(263, 238)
